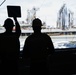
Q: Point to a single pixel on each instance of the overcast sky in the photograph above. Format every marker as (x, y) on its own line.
(47, 12)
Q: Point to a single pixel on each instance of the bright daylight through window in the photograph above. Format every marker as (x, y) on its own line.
(58, 18)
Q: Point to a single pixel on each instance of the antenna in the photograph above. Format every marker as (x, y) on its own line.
(2, 2)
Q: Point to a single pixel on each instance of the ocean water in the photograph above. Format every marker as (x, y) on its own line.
(66, 44)
(57, 44)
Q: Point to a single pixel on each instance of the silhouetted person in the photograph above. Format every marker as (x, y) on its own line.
(9, 47)
(37, 47)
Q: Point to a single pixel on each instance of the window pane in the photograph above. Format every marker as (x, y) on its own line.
(58, 18)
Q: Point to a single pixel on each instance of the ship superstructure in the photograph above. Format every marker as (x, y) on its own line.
(31, 14)
(65, 18)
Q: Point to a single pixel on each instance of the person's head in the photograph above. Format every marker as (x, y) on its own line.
(8, 24)
(36, 24)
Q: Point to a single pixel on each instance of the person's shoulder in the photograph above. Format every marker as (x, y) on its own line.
(29, 37)
(2, 34)
(44, 34)
(2, 37)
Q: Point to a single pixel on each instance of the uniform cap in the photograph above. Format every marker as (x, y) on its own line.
(8, 22)
(36, 22)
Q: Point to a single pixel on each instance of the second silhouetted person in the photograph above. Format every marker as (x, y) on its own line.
(37, 47)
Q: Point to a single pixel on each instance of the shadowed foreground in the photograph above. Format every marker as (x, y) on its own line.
(62, 62)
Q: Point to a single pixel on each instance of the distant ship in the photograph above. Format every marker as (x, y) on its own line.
(64, 23)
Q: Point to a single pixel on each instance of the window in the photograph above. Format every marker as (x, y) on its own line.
(58, 17)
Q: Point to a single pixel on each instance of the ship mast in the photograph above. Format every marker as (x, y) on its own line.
(31, 14)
